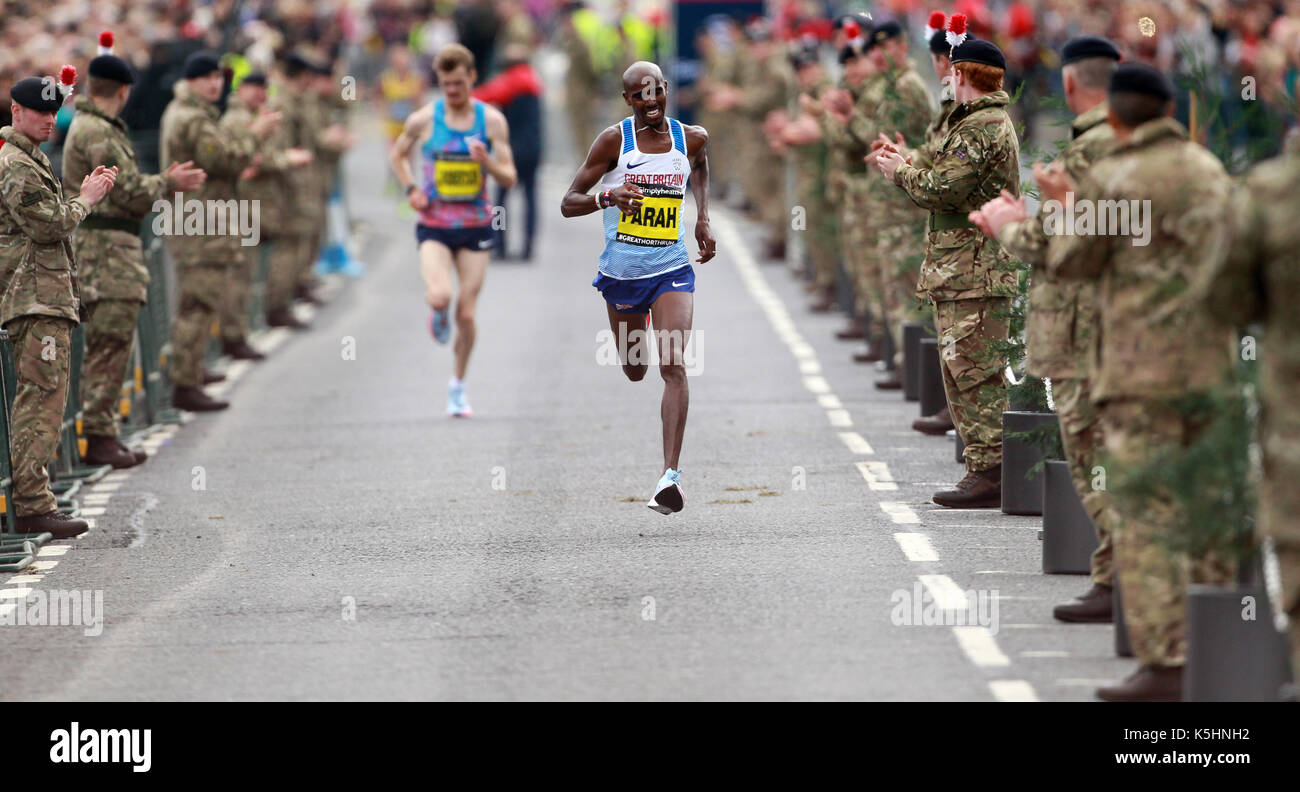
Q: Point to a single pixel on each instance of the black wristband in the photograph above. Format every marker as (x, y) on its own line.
(410, 187)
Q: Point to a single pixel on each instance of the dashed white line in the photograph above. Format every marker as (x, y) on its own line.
(53, 550)
(946, 594)
(817, 384)
(857, 443)
(830, 401)
(899, 512)
(916, 547)
(839, 417)
(878, 477)
(1012, 690)
(111, 486)
(979, 646)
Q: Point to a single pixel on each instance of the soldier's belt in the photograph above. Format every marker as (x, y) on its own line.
(111, 224)
(944, 222)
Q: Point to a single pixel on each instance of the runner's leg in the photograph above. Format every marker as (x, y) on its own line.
(471, 267)
(633, 352)
(435, 268)
(672, 315)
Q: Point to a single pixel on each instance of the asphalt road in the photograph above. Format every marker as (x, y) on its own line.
(350, 541)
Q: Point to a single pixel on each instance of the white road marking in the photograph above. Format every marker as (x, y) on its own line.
(93, 511)
(979, 646)
(43, 566)
(877, 475)
(856, 443)
(96, 498)
(916, 547)
(899, 512)
(817, 384)
(830, 401)
(809, 366)
(946, 594)
(839, 417)
(20, 592)
(112, 486)
(16, 579)
(53, 550)
(1012, 690)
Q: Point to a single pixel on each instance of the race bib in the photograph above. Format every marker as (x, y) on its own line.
(657, 222)
(457, 177)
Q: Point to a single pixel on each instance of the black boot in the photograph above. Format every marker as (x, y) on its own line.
(195, 400)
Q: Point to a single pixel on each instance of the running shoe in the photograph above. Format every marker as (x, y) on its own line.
(439, 326)
(457, 404)
(668, 498)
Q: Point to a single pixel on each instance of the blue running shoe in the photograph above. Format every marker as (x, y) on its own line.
(668, 498)
(439, 326)
(457, 404)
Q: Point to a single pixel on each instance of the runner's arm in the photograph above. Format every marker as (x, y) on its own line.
(601, 159)
(697, 142)
(501, 164)
(399, 156)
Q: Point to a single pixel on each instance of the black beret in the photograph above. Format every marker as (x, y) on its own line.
(885, 31)
(200, 64)
(978, 51)
(1083, 47)
(111, 67)
(939, 43)
(1142, 79)
(33, 93)
(254, 78)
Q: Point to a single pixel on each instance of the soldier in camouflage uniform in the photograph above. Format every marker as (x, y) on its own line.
(902, 107)
(268, 183)
(332, 139)
(1156, 346)
(967, 276)
(191, 132)
(1063, 314)
(1256, 283)
(846, 109)
(812, 178)
(40, 305)
(300, 231)
(112, 274)
(766, 86)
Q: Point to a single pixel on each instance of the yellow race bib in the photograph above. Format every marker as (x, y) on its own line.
(457, 179)
(657, 222)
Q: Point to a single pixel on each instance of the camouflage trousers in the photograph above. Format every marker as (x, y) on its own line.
(765, 186)
(287, 251)
(899, 250)
(239, 289)
(973, 375)
(1279, 518)
(1082, 439)
(820, 233)
(1153, 579)
(110, 331)
(857, 239)
(42, 358)
(305, 274)
(201, 290)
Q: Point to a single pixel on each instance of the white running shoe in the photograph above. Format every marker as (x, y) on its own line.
(668, 497)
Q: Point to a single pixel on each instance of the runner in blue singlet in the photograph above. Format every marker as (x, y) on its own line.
(643, 165)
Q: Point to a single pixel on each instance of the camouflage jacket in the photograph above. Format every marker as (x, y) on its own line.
(271, 184)
(839, 149)
(850, 147)
(1062, 314)
(901, 103)
(978, 159)
(923, 155)
(1258, 280)
(1155, 343)
(110, 261)
(766, 86)
(191, 131)
(300, 131)
(36, 224)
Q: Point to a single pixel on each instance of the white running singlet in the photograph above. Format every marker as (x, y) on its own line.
(650, 242)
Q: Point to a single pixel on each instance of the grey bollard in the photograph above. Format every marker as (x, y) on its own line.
(931, 378)
(1229, 657)
(1022, 494)
(1122, 646)
(1069, 537)
(913, 332)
